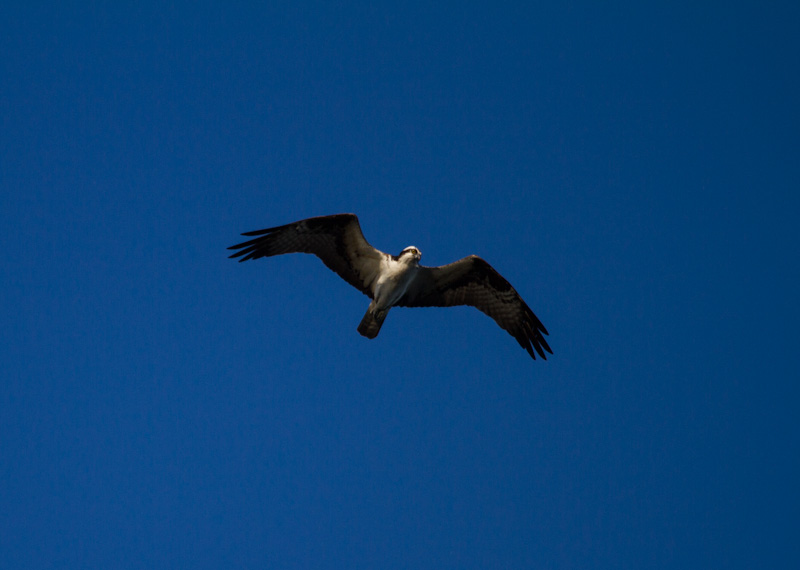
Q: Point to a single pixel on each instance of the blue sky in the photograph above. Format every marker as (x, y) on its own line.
(632, 169)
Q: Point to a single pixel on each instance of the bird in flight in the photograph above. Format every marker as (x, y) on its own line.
(399, 280)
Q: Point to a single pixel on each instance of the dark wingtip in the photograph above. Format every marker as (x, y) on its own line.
(257, 232)
(238, 253)
(249, 247)
(266, 231)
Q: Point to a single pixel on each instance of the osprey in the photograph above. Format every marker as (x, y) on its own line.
(400, 281)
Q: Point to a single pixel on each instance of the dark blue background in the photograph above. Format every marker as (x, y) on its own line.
(631, 168)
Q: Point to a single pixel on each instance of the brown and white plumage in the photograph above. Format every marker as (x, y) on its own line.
(399, 280)
(472, 281)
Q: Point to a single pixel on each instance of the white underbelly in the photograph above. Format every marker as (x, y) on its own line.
(392, 284)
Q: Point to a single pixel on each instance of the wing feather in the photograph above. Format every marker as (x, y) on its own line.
(337, 240)
(472, 281)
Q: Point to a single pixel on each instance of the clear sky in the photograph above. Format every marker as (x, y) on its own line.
(631, 168)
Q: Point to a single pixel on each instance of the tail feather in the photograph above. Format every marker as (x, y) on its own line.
(371, 324)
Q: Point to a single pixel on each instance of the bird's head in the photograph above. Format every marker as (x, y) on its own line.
(410, 252)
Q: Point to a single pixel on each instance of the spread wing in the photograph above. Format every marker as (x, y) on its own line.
(472, 281)
(337, 240)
